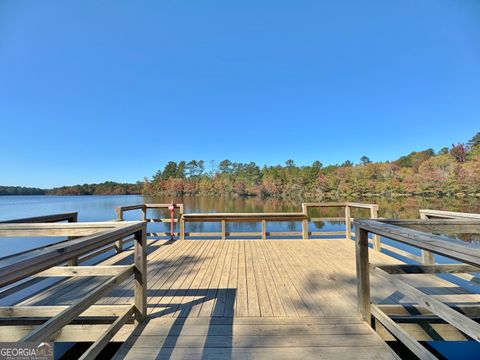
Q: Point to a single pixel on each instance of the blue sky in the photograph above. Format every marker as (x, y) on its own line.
(112, 90)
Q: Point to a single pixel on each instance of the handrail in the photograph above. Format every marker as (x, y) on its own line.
(120, 210)
(394, 229)
(262, 218)
(43, 262)
(70, 217)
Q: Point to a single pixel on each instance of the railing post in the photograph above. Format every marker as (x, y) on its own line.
(144, 212)
(182, 228)
(348, 223)
(223, 229)
(140, 275)
(377, 244)
(427, 257)
(264, 230)
(119, 243)
(73, 261)
(305, 222)
(363, 276)
(181, 224)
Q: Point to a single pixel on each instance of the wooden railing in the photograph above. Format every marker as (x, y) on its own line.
(44, 262)
(427, 257)
(121, 210)
(348, 206)
(407, 232)
(69, 217)
(182, 218)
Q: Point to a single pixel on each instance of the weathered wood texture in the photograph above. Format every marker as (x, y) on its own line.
(214, 297)
(403, 231)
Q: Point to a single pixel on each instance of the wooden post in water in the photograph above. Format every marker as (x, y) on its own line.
(377, 245)
(363, 276)
(348, 223)
(427, 256)
(119, 243)
(140, 275)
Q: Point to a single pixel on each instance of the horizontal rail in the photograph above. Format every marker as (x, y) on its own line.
(46, 331)
(262, 218)
(438, 214)
(426, 269)
(14, 269)
(70, 217)
(243, 217)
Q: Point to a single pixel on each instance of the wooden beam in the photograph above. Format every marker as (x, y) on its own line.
(460, 321)
(111, 270)
(47, 331)
(243, 217)
(348, 223)
(426, 269)
(70, 217)
(377, 245)
(140, 275)
(438, 214)
(95, 349)
(434, 243)
(18, 267)
(20, 311)
(402, 335)
(363, 276)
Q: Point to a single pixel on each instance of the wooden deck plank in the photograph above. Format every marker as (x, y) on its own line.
(279, 283)
(241, 303)
(252, 295)
(263, 297)
(166, 297)
(210, 301)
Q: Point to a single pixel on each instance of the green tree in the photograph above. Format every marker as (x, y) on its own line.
(365, 160)
(170, 170)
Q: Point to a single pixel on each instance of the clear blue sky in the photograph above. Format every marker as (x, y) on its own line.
(112, 90)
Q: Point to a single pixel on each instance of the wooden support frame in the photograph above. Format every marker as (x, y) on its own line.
(426, 269)
(409, 341)
(460, 321)
(42, 262)
(47, 331)
(262, 218)
(98, 345)
(393, 229)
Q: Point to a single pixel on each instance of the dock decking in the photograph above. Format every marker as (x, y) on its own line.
(254, 299)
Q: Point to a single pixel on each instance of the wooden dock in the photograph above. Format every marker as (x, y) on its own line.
(247, 299)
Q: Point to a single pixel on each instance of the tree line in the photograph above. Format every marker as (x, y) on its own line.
(453, 170)
(105, 188)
